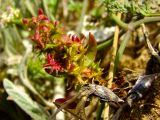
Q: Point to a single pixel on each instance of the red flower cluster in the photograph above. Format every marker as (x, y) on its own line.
(40, 24)
(63, 51)
(52, 64)
(49, 36)
(40, 28)
(41, 17)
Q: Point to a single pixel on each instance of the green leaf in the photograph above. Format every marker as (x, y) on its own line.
(121, 49)
(31, 107)
(104, 45)
(91, 51)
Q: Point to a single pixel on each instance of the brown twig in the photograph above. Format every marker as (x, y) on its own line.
(153, 52)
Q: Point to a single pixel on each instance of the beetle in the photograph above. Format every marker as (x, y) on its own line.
(138, 91)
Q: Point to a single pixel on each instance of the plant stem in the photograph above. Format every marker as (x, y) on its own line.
(65, 8)
(119, 21)
(56, 3)
(122, 48)
(46, 9)
(152, 14)
(30, 8)
(145, 20)
(99, 111)
(111, 69)
(7, 42)
(59, 92)
(84, 9)
(114, 51)
(153, 52)
(135, 24)
(105, 44)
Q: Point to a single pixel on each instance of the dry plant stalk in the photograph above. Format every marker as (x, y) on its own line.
(111, 70)
(153, 52)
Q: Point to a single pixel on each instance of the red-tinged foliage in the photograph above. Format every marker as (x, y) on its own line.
(92, 41)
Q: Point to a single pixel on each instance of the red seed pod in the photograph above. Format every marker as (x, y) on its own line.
(55, 23)
(25, 21)
(40, 11)
(73, 37)
(43, 17)
(37, 35)
(77, 39)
